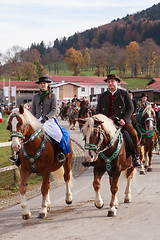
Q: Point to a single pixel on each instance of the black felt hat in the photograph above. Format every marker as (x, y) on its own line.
(43, 79)
(143, 95)
(112, 76)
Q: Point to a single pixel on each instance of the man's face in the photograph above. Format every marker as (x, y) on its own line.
(43, 86)
(112, 84)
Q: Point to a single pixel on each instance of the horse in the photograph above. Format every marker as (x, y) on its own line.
(37, 155)
(105, 147)
(72, 113)
(144, 125)
(84, 112)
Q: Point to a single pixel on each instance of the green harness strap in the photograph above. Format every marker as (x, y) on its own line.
(39, 152)
(108, 160)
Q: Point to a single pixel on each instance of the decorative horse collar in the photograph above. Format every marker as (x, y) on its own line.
(96, 147)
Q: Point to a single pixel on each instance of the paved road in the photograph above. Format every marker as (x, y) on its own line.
(138, 220)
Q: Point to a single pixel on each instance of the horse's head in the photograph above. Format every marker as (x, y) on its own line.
(95, 135)
(19, 122)
(17, 126)
(147, 118)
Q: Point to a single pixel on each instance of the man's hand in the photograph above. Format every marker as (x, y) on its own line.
(121, 122)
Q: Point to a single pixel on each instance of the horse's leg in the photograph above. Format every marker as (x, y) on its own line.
(149, 169)
(45, 188)
(67, 178)
(129, 175)
(26, 214)
(98, 173)
(142, 157)
(112, 212)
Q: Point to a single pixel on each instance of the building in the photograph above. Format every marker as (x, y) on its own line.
(64, 87)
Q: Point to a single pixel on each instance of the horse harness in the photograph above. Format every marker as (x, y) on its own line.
(97, 147)
(39, 152)
(140, 130)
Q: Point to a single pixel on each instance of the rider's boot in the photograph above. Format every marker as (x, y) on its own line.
(136, 159)
(15, 159)
(85, 163)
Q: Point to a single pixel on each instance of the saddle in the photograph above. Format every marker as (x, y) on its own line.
(56, 148)
(127, 142)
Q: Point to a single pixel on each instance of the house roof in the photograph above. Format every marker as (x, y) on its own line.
(154, 83)
(79, 79)
(55, 85)
(58, 79)
(19, 84)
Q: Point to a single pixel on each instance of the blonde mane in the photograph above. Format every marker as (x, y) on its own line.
(108, 124)
(149, 110)
(27, 118)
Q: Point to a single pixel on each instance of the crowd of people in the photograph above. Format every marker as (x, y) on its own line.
(115, 103)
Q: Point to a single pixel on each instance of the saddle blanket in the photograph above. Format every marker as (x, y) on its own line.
(58, 134)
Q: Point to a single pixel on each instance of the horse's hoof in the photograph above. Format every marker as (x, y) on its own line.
(42, 215)
(26, 217)
(112, 214)
(99, 207)
(69, 202)
(127, 200)
(48, 208)
(142, 172)
(149, 169)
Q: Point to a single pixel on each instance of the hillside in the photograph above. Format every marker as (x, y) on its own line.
(136, 27)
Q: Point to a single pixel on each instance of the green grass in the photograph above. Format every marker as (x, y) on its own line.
(4, 133)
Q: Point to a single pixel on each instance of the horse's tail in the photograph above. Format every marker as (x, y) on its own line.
(58, 177)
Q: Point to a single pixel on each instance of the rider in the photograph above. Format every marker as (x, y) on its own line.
(143, 101)
(116, 102)
(44, 106)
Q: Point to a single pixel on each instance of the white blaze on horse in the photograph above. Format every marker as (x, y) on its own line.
(104, 145)
(37, 155)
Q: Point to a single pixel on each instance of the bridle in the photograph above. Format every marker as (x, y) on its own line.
(140, 130)
(22, 135)
(100, 152)
(19, 134)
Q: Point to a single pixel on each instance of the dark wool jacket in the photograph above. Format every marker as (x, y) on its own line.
(47, 108)
(122, 104)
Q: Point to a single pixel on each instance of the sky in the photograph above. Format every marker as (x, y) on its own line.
(23, 22)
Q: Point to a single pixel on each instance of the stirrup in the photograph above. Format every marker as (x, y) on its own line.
(12, 159)
(61, 157)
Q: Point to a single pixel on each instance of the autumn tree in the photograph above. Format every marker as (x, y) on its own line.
(31, 55)
(87, 60)
(133, 57)
(74, 60)
(149, 56)
(52, 57)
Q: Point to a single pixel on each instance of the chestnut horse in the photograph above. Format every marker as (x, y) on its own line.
(72, 113)
(145, 127)
(105, 146)
(37, 155)
(84, 112)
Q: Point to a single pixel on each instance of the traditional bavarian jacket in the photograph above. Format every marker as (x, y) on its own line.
(45, 108)
(122, 104)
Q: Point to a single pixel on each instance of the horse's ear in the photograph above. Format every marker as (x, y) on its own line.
(21, 109)
(81, 120)
(98, 122)
(6, 112)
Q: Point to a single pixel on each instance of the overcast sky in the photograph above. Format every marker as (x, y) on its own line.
(23, 22)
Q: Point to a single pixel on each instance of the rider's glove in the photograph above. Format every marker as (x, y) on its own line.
(44, 119)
